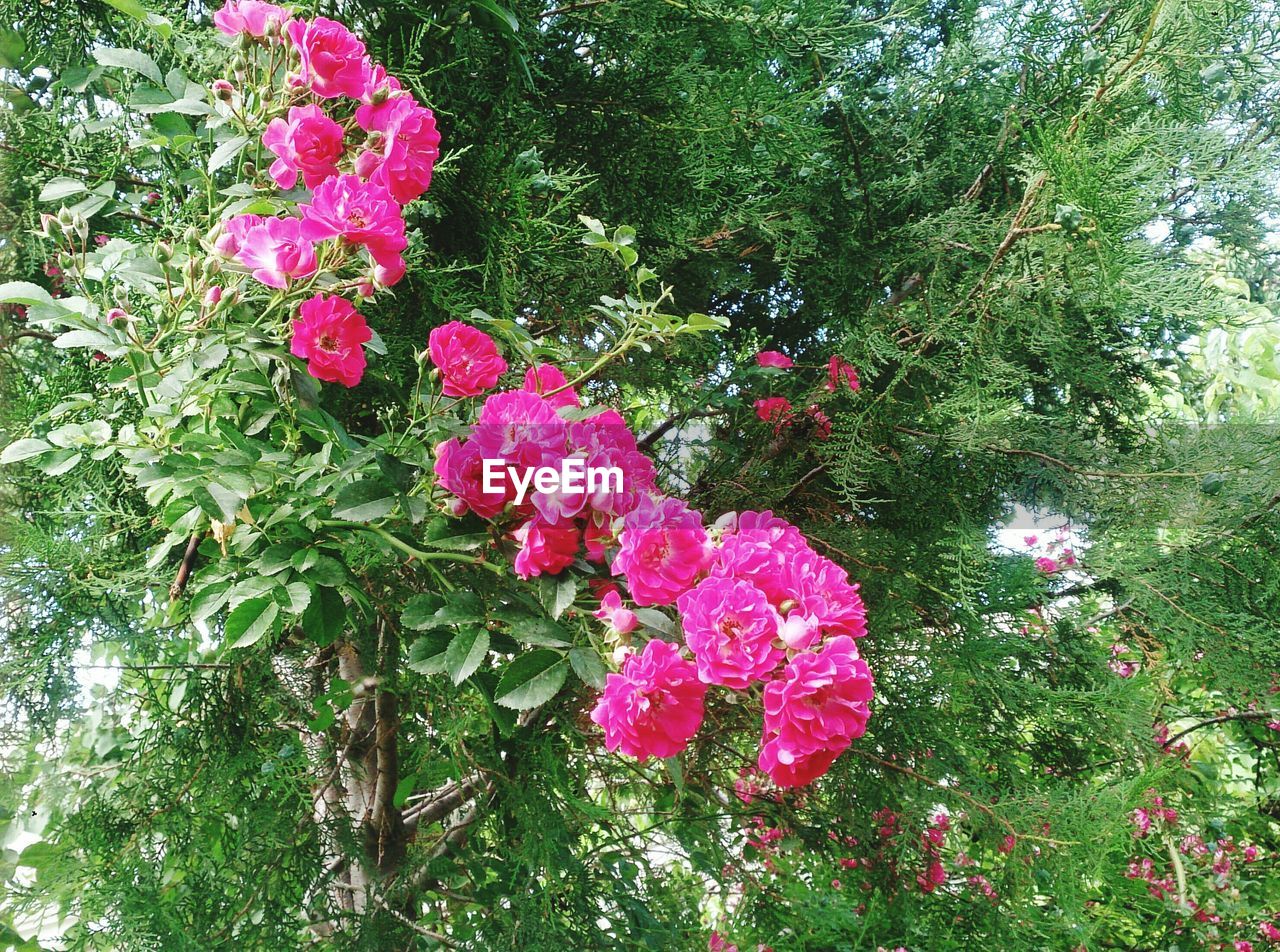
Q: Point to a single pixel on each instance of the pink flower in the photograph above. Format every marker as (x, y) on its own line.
(276, 252)
(1007, 844)
(1046, 565)
(360, 213)
(333, 60)
(1123, 669)
(663, 550)
(932, 878)
(459, 468)
(732, 631)
(654, 706)
(1141, 822)
(249, 16)
(329, 335)
(544, 378)
(402, 148)
(775, 410)
(308, 142)
(1251, 854)
(467, 357)
(620, 619)
(1030, 541)
(821, 422)
(1243, 945)
(1269, 932)
(838, 367)
(229, 235)
(545, 547)
(772, 358)
(520, 428)
(814, 711)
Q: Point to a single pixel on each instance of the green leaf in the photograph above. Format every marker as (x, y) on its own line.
(325, 617)
(426, 655)
(364, 501)
(506, 20)
(654, 619)
(23, 450)
(24, 292)
(135, 60)
(218, 501)
(224, 153)
(419, 611)
(460, 608)
(251, 620)
(537, 631)
(208, 600)
(94, 339)
(556, 592)
(56, 189)
(465, 652)
(403, 790)
(588, 666)
(531, 679)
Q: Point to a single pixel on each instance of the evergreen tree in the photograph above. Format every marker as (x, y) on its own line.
(1040, 237)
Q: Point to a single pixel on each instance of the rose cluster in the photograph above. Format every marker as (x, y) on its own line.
(362, 146)
(757, 604)
(779, 410)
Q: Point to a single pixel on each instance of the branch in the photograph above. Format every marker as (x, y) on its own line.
(677, 419)
(184, 570)
(1220, 719)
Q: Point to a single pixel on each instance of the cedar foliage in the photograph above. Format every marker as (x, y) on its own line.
(990, 209)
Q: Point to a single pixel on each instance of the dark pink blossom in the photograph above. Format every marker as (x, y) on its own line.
(402, 148)
(545, 547)
(329, 334)
(467, 358)
(550, 381)
(360, 213)
(654, 706)
(252, 17)
(333, 62)
(308, 142)
(732, 631)
(773, 358)
(663, 550)
(837, 368)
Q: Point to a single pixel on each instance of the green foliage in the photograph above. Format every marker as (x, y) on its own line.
(1039, 234)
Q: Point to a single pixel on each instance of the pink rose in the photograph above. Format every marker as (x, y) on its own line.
(732, 631)
(775, 410)
(250, 16)
(621, 620)
(1046, 565)
(838, 367)
(333, 60)
(329, 334)
(545, 547)
(276, 252)
(663, 550)
(459, 467)
(229, 234)
(361, 214)
(545, 378)
(308, 142)
(467, 357)
(520, 428)
(402, 148)
(1269, 932)
(772, 358)
(818, 706)
(654, 706)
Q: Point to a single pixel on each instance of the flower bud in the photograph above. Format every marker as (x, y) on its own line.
(64, 216)
(117, 315)
(151, 198)
(48, 225)
(212, 297)
(81, 226)
(164, 252)
(381, 95)
(223, 91)
(212, 266)
(122, 295)
(250, 170)
(191, 236)
(365, 289)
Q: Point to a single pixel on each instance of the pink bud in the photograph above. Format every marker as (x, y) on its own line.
(213, 296)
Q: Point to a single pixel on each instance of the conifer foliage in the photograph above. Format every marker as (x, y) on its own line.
(936, 351)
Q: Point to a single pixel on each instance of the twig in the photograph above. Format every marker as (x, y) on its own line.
(1220, 719)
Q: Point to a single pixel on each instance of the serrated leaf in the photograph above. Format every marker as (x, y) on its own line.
(460, 608)
(557, 592)
(250, 621)
(542, 632)
(654, 619)
(426, 655)
(531, 679)
(465, 652)
(94, 339)
(588, 666)
(218, 501)
(224, 153)
(364, 501)
(325, 617)
(419, 611)
(21, 450)
(135, 60)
